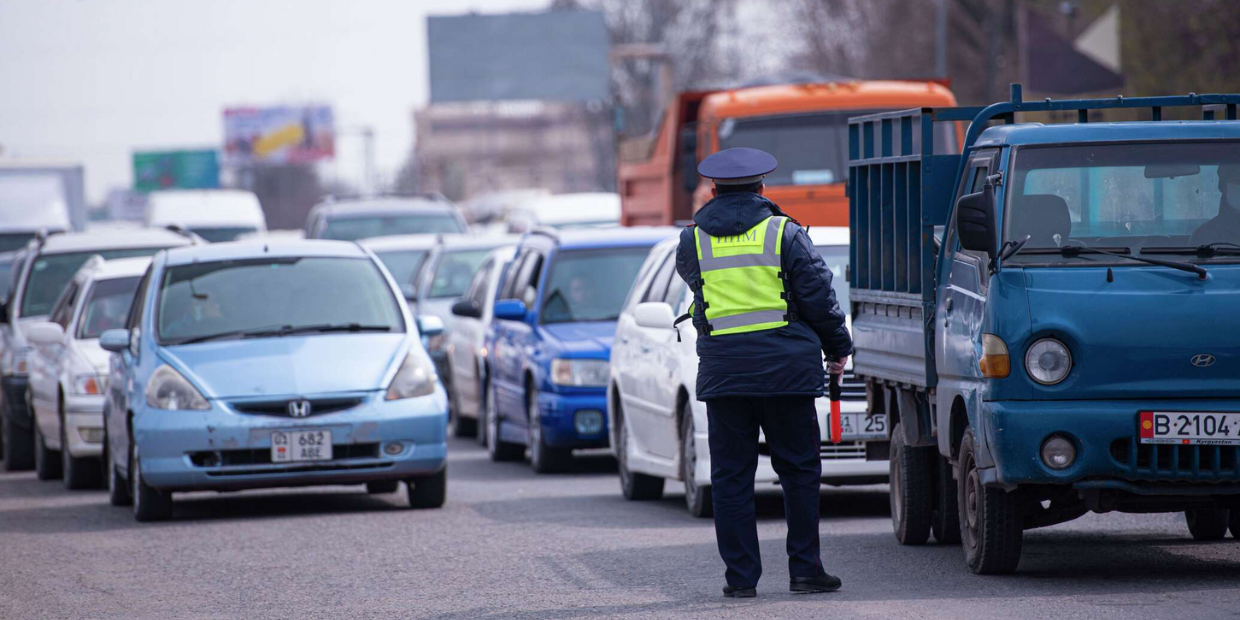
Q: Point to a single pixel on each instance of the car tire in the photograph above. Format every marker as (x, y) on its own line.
(497, 449)
(634, 486)
(481, 421)
(78, 473)
(697, 497)
(457, 426)
(18, 446)
(945, 522)
(118, 487)
(378, 487)
(912, 490)
(544, 459)
(46, 460)
(428, 491)
(991, 525)
(1207, 523)
(149, 504)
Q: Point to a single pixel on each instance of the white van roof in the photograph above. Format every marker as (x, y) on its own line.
(205, 207)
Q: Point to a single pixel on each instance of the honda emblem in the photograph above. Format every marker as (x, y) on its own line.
(299, 408)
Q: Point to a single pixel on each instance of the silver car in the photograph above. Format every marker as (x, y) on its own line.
(68, 369)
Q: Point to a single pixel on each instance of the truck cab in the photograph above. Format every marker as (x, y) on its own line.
(1045, 318)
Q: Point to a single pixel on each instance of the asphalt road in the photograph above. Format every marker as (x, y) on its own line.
(510, 544)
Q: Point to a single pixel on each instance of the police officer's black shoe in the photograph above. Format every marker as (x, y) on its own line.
(811, 585)
(730, 592)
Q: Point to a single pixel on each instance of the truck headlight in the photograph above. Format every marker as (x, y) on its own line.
(995, 363)
(1048, 361)
(90, 385)
(416, 377)
(167, 389)
(579, 373)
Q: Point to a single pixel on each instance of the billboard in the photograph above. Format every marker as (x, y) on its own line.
(553, 56)
(197, 169)
(279, 135)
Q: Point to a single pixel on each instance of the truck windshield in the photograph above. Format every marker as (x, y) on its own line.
(590, 285)
(1147, 198)
(812, 149)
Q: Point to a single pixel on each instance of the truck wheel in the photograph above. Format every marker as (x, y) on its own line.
(912, 490)
(18, 446)
(428, 491)
(1207, 523)
(634, 486)
(46, 460)
(697, 497)
(498, 450)
(991, 526)
(945, 523)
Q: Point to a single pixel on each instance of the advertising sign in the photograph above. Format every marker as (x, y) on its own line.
(154, 170)
(279, 135)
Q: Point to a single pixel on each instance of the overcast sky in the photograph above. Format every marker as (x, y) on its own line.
(93, 80)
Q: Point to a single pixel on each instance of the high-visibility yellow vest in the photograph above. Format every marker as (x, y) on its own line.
(742, 280)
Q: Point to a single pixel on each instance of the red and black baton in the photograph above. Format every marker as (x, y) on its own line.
(833, 390)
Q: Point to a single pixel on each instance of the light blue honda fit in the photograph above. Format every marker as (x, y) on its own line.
(269, 364)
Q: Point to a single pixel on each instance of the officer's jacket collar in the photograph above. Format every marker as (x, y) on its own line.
(733, 214)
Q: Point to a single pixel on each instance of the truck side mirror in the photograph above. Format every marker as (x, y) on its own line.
(975, 221)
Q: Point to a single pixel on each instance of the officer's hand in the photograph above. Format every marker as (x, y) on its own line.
(837, 367)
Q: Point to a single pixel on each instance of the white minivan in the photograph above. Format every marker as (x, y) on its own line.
(659, 427)
(213, 214)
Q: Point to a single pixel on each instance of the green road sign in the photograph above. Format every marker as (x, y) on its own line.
(154, 170)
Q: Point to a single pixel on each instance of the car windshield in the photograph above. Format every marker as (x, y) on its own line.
(454, 272)
(590, 285)
(362, 227)
(836, 258)
(107, 306)
(812, 149)
(51, 272)
(218, 234)
(403, 264)
(11, 242)
(1158, 197)
(273, 297)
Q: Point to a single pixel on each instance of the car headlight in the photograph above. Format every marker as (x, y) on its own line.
(416, 377)
(20, 357)
(579, 373)
(89, 385)
(167, 389)
(1048, 361)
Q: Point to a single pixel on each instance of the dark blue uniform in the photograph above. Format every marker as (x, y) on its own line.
(769, 380)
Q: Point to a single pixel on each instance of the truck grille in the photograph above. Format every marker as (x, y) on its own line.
(1177, 462)
(846, 451)
(851, 388)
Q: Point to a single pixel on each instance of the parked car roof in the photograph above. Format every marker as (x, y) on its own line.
(234, 250)
(400, 242)
(117, 268)
(113, 239)
(371, 206)
(204, 207)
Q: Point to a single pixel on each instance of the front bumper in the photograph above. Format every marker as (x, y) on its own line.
(1108, 452)
(224, 449)
(84, 425)
(559, 414)
(14, 388)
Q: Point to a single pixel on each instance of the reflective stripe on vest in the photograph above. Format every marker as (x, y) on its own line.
(741, 281)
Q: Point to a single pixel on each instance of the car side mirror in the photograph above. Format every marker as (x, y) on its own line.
(510, 310)
(45, 333)
(654, 314)
(114, 340)
(975, 221)
(467, 308)
(430, 326)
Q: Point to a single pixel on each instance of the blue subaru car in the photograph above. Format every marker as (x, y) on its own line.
(550, 342)
(270, 364)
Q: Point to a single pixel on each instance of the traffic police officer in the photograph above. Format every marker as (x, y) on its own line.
(765, 314)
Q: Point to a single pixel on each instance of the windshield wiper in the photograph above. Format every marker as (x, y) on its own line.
(1205, 251)
(332, 327)
(236, 333)
(1080, 248)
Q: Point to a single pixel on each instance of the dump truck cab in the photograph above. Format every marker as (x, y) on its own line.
(1046, 318)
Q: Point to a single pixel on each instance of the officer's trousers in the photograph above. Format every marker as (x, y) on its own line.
(792, 434)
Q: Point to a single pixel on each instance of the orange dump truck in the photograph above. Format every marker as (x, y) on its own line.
(805, 126)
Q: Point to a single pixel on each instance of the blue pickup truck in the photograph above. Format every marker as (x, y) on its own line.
(1048, 318)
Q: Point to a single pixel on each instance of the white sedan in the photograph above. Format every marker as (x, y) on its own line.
(68, 369)
(656, 421)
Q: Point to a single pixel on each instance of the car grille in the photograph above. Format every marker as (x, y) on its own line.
(318, 406)
(851, 388)
(262, 456)
(1177, 462)
(846, 451)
